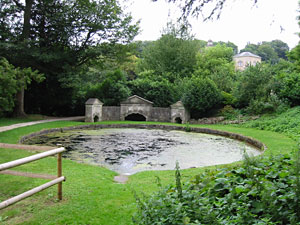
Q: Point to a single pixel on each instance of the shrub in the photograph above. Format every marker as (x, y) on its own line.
(261, 191)
(200, 96)
(227, 98)
(112, 90)
(253, 84)
(287, 122)
(229, 112)
(290, 87)
(154, 88)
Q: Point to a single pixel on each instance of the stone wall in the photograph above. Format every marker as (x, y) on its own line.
(138, 107)
(111, 113)
(160, 114)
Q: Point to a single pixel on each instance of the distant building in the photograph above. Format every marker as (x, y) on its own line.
(209, 43)
(245, 59)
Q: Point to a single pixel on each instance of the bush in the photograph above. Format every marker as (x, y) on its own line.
(253, 84)
(112, 90)
(229, 112)
(227, 98)
(287, 122)
(261, 191)
(154, 88)
(200, 96)
(289, 87)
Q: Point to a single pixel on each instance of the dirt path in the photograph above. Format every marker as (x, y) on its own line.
(17, 125)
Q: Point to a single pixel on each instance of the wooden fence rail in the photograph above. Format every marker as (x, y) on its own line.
(54, 180)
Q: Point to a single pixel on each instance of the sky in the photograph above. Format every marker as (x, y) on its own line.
(241, 21)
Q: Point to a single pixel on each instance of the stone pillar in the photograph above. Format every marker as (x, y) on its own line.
(93, 110)
(179, 112)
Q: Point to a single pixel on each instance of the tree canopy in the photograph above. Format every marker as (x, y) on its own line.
(58, 36)
(171, 53)
(269, 51)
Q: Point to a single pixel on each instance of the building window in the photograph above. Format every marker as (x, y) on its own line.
(240, 63)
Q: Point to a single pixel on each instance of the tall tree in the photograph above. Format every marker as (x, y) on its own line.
(174, 53)
(56, 36)
(216, 64)
(19, 107)
(269, 51)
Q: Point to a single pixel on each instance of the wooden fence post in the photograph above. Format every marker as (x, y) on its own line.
(59, 174)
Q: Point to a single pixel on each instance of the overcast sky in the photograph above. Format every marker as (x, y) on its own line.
(240, 21)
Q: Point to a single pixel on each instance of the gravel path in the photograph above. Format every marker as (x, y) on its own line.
(17, 125)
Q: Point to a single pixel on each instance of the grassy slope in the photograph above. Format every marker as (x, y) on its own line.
(287, 123)
(90, 195)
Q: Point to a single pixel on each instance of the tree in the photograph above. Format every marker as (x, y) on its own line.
(155, 88)
(253, 84)
(173, 53)
(231, 45)
(62, 35)
(12, 80)
(216, 64)
(289, 87)
(281, 48)
(269, 51)
(112, 90)
(8, 86)
(200, 96)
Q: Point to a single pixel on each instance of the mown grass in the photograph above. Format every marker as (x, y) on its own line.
(90, 194)
(29, 118)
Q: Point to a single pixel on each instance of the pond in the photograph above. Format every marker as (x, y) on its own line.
(128, 150)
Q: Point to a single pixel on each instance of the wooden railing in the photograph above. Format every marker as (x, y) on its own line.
(54, 179)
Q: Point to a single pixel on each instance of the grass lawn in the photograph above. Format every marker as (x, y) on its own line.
(10, 121)
(90, 196)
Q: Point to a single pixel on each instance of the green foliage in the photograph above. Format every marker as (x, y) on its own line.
(155, 88)
(112, 90)
(88, 188)
(294, 56)
(12, 80)
(287, 123)
(8, 86)
(200, 96)
(170, 54)
(227, 98)
(289, 84)
(64, 35)
(269, 51)
(229, 112)
(253, 84)
(260, 191)
(216, 64)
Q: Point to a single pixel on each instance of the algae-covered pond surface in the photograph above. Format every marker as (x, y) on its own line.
(128, 151)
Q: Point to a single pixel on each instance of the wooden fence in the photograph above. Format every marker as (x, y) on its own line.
(54, 179)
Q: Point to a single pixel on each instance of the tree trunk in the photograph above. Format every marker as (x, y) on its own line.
(19, 107)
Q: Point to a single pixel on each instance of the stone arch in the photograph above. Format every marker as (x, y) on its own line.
(96, 118)
(136, 112)
(178, 120)
(135, 117)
